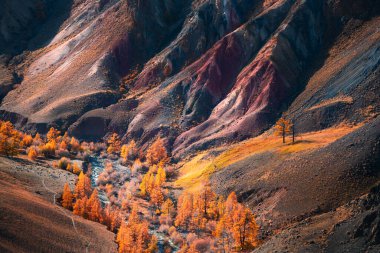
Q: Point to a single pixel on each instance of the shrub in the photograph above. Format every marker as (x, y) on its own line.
(76, 169)
(32, 153)
(64, 163)
(27, 140)
(48, 150)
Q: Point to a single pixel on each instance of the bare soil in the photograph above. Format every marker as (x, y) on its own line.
(31, 222)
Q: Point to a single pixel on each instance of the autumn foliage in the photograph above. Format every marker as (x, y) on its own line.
(134, 237)
(9, 139)
(114, 144)
(283, 127)
(67, 197)
(235, 228)
(157, 154)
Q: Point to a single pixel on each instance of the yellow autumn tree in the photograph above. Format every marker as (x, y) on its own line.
(67, 197)
(74, 145)
(157, 197)
(9, 139)
(114, 144)
(283, 127)
(80, 207)
(129, 151)
(83, 187)
(184, 210)
(48, 150)
(157, 153)
(53, 134)
(76, 169)
(94, 208)
(27, 140)
(161, 176)
(244, 228)
(134, 237)
(32, 153)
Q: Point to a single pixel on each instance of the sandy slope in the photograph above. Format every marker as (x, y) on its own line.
(30, 222)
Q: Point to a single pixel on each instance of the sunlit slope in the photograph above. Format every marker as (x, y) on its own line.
(204, 164)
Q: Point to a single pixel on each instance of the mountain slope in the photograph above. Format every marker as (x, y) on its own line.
(217, 71)
(211, 78)
(31, 222)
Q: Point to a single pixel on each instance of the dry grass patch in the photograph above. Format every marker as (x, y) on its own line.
(200, 167)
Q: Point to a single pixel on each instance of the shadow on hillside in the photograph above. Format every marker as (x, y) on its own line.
(55, 12)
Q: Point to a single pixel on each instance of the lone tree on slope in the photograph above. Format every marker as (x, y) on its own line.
(284, 127)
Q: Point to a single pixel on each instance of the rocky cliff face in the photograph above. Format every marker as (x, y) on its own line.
(202, 73)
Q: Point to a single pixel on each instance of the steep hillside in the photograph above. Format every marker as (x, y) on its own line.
(31, 222)
(201, 73)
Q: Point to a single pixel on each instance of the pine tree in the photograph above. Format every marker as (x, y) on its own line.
(223, 235)
(63, 145)
(115, 220)
(152, 247)
(206, 198)
(134, 237)
(124, 152)
(124, 239)
(67, 197)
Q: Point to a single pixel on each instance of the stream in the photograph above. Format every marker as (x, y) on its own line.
(97, 167)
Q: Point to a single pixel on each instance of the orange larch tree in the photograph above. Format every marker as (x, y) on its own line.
(83, 187)
(80, 207)
(114, 144)
(161, 176)
(184, 210)
(157, 197)
(157, 153)
(94, 208)
(283, 127)
(32, 153)
(67, 197)
(9, 139)
(53, 134)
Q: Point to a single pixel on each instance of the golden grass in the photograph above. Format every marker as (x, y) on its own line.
(200, 167)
